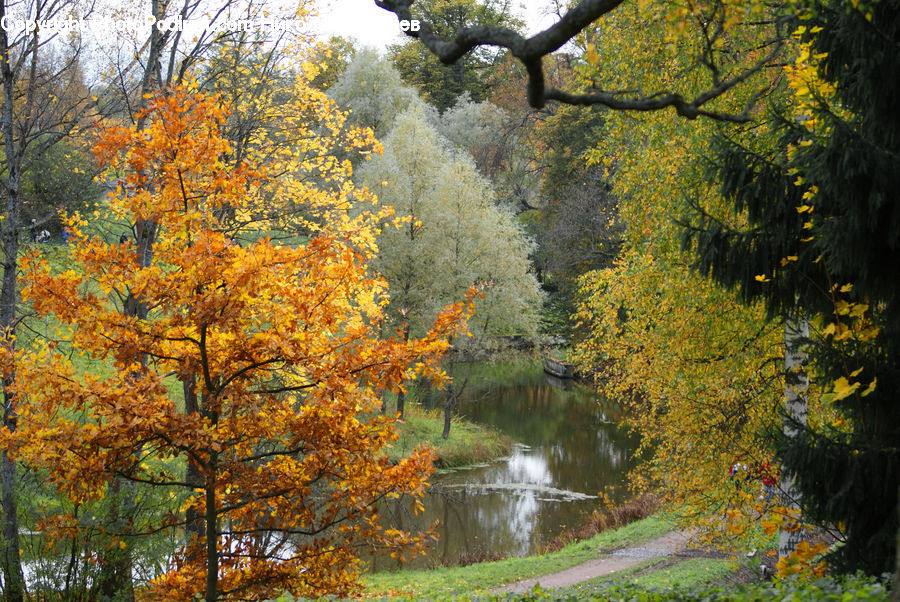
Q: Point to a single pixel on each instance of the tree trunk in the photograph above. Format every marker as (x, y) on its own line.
(448, 408)
(796, 383)
(114, 579)
(13, 577)
(12, 564)
(212, 535)
(193, 475)
(401, 396)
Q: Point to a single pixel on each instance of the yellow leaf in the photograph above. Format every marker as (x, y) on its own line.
(843, 388)
(870, 388)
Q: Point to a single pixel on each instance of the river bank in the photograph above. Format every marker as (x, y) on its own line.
(469, 443)
(650, 551)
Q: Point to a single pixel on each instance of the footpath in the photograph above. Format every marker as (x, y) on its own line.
(617, 560)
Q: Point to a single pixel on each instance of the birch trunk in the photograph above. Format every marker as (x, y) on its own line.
(796, 384)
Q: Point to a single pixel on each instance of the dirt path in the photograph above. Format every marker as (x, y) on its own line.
(617, 560)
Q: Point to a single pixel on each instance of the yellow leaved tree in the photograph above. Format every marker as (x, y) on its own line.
(700, 374)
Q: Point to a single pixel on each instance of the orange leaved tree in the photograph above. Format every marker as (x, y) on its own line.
(278, 352)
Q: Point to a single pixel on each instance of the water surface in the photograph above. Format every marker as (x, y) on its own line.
(569, 449)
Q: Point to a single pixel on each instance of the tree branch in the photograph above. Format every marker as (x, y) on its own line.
(530, 52)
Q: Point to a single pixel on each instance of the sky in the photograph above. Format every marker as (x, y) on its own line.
(372, 26)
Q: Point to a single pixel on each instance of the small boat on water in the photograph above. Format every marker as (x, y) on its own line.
(559, 369)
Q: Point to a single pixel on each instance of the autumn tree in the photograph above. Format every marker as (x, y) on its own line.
(332, 56)
(701, 376)
(456, 237)
(279, 119)
(282, 343)
(821, 240)
(155, 58)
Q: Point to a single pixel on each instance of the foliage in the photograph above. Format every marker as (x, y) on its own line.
(441, 85)
(455, 236)
(712, 51)
(700, 375)
(685, 361)
(372, 90)
(62, 178)
(821, 238)
(278, 119)
(481, 129)
(281, 358)
(332, 58)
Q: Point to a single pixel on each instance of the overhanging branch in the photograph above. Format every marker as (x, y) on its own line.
(531, 50)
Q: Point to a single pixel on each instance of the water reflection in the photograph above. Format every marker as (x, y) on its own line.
(569, 444)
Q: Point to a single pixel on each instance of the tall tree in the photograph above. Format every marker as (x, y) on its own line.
(823, 237)
(454, 237)
(685, 360)
(145, 62)
(282, 344)
(44, 101)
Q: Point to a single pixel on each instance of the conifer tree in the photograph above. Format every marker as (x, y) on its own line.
(823, 237)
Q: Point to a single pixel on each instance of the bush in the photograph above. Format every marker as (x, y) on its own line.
(844, 589)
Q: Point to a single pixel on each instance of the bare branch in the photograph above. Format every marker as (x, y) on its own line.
(531, 50)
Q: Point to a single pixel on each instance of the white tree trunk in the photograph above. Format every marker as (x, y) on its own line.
(796, 383)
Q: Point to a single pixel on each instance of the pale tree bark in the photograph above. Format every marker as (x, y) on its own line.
(796, 385)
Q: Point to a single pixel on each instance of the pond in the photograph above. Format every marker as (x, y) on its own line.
(569, 448)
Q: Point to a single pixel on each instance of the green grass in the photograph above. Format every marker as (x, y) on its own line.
(467, 444)
(487, 575)
(688, 572)
(659, 573)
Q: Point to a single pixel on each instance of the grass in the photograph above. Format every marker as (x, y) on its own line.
(467, 444)
(692, 571)
(487, 575)
(657, 573)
